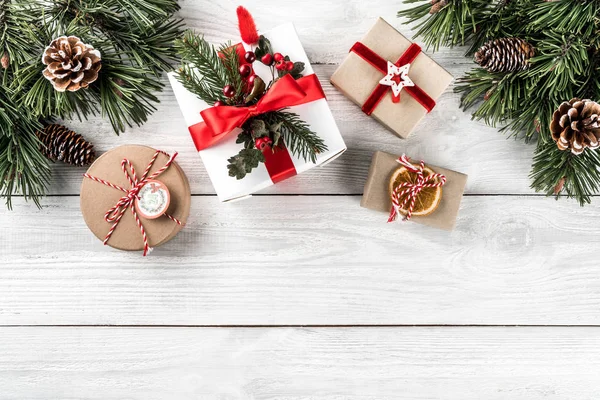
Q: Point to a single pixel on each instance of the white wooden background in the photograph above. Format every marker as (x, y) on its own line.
(299, 293)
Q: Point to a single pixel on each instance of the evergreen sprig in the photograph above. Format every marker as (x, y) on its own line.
(205, 71)
(202, 71)
(135, 39)
(566, 36)
(297, 135)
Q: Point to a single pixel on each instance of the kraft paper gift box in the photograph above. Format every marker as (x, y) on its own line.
(357, 78)
(97, 198)
(376, 194)
(317, 113)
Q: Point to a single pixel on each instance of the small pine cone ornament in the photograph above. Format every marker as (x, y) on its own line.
(437, 5)
(575, 125)
(63, 144)
(71, 64)
(505, 55)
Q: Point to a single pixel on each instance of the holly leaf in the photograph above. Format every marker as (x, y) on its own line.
(276, 137)
(297, 70)
(258, 128)
(264, 47)
(259, 53)
(275, 130)
(246, 138)
(244, 162)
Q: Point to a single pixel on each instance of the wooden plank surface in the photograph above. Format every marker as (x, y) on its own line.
(300, 363)
(308, 260)
(305, 253)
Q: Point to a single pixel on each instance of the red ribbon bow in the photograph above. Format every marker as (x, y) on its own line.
(285, 92)
(412, 190)
(115, 213)
(381, 64)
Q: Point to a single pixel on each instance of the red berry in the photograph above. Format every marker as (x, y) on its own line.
(280, 65)
(251, 79)
(250, 57)
(289, 65)
(278, 57)
(267, 59)
(218, 103)
(229, 91)
(245, 70)
(262, 142)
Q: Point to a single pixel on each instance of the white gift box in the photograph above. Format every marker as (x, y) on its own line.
(317, 114)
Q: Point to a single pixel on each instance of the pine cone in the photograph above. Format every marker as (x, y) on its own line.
(505, 55)
(62, 144)
(437, 5)
(71, 64)
(576, 125)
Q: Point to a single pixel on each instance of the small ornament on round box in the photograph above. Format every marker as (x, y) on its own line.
(153, 199)
(135, 198)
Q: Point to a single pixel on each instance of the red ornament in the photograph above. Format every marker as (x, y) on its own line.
(251, 79)
(250, 57)
(267, 59)
(280, 65)
(278, 57)
(245, 70)
(289, 65)
(263, 142)
(229, 91)
(218, 103)
(247, 26)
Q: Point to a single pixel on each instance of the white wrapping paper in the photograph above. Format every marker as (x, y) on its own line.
(317, 113)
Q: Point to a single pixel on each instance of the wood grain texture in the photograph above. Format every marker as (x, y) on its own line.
(309, 260)
(324, 364)
(302, 260)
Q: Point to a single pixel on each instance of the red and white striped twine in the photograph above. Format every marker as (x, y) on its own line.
(115, 213)
(412, 190)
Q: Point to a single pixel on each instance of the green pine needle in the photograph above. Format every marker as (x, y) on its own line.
(135, 39)
(566, 36)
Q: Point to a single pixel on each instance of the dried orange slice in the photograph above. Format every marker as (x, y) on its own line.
(428, 198)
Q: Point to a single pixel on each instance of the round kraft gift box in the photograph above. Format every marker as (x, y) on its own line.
(98, 198)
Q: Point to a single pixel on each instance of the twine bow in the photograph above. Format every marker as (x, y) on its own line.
(115, 213)
(412, 190)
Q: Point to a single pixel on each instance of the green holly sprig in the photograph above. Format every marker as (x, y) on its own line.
(206, 71)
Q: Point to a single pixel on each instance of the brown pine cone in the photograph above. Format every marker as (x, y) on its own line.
(437, 5)
(63, 144)
(71, 64)
(575, 125)
(505, 55)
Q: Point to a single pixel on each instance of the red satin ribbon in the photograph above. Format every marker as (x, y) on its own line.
(381, 64)
(286, 92)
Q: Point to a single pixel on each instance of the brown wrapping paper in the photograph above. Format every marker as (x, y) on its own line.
(356, 78)
(377, 197)
(97, 198)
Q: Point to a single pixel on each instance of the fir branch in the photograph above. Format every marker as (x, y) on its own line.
(231, 61)
(573, 17)
(566, 35)
(23, 168)
(580, 174)
(297, 135)
(202, 72)
(136, 47)
(451, 26)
